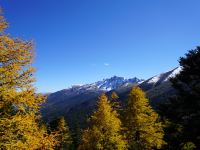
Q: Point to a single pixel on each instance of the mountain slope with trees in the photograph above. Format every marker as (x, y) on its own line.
(162, 112)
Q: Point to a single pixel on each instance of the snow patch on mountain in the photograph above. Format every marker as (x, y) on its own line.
(154, 79)
(174, 73)
(163, 77)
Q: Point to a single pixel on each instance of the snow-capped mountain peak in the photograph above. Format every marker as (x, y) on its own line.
(164, 76)
(108, 84)
(115, 82)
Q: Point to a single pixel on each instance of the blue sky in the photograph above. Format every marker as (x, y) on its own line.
(82, 41)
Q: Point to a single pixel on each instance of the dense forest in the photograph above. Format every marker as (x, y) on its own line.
(135, 125)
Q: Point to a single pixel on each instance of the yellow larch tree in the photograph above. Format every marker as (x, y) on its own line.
(104, 131)
(64, 137)
(143, 129)
(115, 103)
(19, 104)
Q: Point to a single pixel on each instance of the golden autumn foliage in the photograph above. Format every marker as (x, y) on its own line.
(19, 120)
(63, 136)
(115, 101)
(3, 23)
(104, 130)
(143, 129)
(114, 96)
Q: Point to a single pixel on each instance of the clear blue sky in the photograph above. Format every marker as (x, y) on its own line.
(82, 41)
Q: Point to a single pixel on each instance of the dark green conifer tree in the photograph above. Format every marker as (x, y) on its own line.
(183, 109)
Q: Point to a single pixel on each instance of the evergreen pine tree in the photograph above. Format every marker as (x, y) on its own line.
(19, 124)
(104, 130)
(143, 129)
(184, 108)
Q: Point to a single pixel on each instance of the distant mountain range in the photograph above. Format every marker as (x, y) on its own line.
(61, 102)
(104, 85)
(115, 83)
(77, 102)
